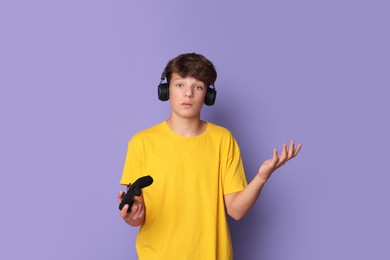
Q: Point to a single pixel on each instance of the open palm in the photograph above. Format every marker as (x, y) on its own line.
(270, 165)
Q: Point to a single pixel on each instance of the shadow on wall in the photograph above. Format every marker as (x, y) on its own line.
(250, 236)
(252, 232)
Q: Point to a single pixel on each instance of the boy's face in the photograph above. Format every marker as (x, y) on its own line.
(186, 95)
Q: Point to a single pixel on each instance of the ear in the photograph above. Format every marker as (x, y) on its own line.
(163, 91)
(211, 95)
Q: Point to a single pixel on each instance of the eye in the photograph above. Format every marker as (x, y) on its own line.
(198, 87)
(178, 85)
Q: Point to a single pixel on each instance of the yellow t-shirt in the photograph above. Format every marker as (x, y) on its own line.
(185, 213)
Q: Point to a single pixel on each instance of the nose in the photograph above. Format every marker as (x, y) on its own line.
(188, 92)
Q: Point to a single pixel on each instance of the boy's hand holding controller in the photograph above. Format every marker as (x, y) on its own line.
(131, 204)
(136, 216)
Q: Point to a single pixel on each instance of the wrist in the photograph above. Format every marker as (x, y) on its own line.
(261, 177)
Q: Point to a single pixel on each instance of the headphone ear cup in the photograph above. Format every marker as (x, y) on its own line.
(163, 91)
(211, 95)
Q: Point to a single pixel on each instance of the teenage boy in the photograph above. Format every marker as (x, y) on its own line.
(197, 171)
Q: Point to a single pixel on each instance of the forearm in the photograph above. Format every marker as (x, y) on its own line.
(241, 202)
(238, 204)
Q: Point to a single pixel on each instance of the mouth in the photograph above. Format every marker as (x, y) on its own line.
(185, 104)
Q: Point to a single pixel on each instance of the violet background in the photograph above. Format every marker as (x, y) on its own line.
(79, 78)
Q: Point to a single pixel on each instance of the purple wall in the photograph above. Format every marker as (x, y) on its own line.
(79, 78)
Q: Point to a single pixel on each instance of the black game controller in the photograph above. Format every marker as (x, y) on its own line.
(135, 189)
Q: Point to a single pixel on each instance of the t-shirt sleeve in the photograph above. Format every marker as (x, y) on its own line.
(133, 161)
(234, 179)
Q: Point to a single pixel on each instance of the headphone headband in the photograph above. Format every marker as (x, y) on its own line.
(163, 76)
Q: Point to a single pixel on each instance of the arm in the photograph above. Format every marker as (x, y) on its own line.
(239, 203)
(136, 217)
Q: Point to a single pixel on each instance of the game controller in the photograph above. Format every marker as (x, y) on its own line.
(133, 190)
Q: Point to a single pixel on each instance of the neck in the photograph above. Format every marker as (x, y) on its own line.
(186, 127)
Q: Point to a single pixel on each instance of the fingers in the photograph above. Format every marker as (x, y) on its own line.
(137, 209)
(282, 159)
(283, 156)
(124, 212)
(120, 196)
(137, 212)
(291, 150)
(297, 149)
(275, 157)
(288, 153)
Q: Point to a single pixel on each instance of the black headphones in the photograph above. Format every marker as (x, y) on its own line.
(163, 91)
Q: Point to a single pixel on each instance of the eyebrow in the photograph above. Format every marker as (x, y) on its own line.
(177, 78)
(197, 82)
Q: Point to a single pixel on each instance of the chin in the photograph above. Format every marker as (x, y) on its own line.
(188, 115)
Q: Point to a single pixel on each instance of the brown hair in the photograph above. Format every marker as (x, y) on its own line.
(193, 65)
